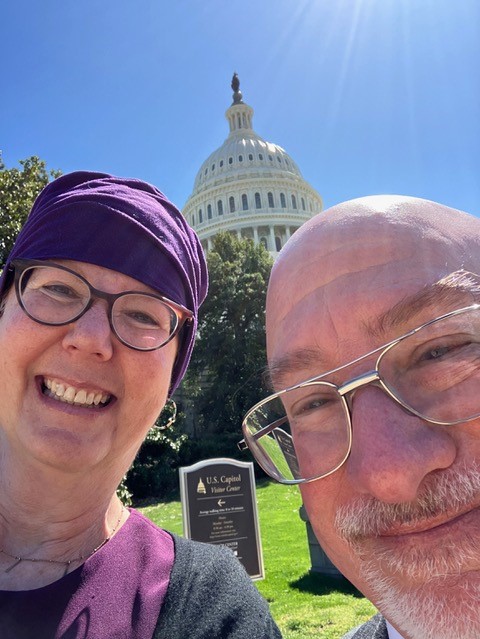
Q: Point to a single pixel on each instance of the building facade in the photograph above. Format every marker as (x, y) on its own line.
(249, 187)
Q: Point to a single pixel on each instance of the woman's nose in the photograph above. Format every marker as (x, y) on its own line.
(392, 450)
(91, 334)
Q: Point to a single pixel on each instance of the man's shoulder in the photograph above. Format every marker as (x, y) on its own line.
(374, 628)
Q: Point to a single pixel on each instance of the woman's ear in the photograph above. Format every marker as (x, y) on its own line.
(167, 416)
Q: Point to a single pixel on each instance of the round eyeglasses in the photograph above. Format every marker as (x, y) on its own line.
(304, 432)
(55, 295)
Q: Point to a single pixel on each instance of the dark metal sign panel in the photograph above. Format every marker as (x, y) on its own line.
(219, 507)
(285, 441)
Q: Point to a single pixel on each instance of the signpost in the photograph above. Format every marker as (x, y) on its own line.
(219, 507)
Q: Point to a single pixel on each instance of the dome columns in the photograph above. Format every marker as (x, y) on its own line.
(271, 244)
(272, 236)
(239, 117)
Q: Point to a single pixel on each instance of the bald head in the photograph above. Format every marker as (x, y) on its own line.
(345, 288)
(365, 252)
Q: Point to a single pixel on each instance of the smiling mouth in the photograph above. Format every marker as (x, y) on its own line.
(440, 523)
(62, 392)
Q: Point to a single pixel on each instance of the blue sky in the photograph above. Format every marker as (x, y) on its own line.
(368, 96)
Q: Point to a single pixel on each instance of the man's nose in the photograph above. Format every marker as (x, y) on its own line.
(392, 450)
(91, 334)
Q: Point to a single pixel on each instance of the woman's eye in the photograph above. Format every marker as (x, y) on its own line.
(143, 318)
(59, 290)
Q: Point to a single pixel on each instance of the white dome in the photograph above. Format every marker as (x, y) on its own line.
(244, 152)
(249, 186)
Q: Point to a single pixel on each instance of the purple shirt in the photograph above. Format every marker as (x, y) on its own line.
(116, 594)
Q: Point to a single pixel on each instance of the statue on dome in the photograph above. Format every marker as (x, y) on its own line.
(237, 94)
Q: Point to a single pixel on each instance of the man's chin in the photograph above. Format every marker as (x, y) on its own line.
(444, 607)
(414, 565)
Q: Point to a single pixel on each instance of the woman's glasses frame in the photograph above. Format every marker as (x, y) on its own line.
(20, 266)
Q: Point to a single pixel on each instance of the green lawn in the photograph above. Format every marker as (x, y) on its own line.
(305, 605)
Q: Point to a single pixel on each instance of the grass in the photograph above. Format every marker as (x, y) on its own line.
(305, 605)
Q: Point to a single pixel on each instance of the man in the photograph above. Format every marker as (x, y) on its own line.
(389, 463)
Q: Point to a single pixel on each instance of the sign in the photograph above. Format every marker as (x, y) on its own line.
(219, 507)
(285, 441)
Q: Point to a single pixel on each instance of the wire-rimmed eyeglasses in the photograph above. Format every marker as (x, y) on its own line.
(54, 295)
(304, 432)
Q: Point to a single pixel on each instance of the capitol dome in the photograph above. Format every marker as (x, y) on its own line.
(249, 186)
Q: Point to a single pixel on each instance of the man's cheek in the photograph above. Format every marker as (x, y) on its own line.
(321, 506)
(339, 553)
(321, 518)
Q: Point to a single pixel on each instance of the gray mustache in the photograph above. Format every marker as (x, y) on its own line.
(444, 493)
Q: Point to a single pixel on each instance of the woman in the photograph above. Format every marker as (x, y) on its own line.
(99, 301)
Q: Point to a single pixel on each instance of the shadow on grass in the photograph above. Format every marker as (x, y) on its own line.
(318, 584)
(144, 502)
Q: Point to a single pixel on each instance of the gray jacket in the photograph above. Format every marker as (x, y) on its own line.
(210, 596)
(374, 628)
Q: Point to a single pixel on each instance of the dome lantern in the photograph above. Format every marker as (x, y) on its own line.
(239, 115)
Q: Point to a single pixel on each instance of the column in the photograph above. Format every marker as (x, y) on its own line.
(287, 232)
(272, 239)
(209, 243)
(255, 235)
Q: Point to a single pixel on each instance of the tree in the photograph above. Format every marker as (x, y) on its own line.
(230, 347)
(154, 473)
(18, 190)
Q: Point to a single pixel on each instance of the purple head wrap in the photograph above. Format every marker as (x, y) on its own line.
(125, 225)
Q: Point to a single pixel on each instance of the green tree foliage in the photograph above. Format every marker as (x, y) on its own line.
(230, 348)
(18, 190)
(154, 472)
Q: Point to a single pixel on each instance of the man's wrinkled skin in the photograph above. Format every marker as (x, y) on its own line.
(342, 286)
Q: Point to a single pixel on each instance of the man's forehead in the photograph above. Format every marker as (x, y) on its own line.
(351, 272)
(408, 237)
(335, 275)
(292, 362)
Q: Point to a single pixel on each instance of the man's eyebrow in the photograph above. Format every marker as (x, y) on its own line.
(301, 360)
(459, 288)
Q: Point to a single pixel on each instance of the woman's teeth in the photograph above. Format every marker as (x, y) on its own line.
(78, 397)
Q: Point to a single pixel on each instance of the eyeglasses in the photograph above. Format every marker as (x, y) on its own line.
(304, 432)
(55, 295)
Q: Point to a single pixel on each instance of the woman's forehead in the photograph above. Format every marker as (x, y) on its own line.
(100, 276)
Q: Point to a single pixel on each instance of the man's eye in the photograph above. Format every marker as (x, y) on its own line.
(435, 353)
(441, 351)
(315, 404)
(310, 405)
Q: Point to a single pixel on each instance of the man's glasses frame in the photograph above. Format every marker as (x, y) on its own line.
(345, 392)
(20, 267)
